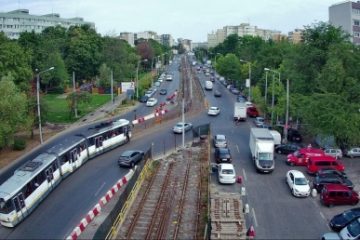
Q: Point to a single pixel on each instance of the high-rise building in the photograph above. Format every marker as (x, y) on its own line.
(347, 16)
(129, 37)
(167, 40)
(15, 22)
(296, 35)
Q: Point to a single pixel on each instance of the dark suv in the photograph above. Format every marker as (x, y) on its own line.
(222, 155)
(323, 179)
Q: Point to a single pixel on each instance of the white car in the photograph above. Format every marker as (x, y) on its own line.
(151, 102)
(298, 183)
(214, 111)
(169, 77)
(335, 152)
(180, 127)
(226, 173)
(220, 141)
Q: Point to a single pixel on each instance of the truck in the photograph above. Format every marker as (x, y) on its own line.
(262, 149)
(240, 111)
(277, 137)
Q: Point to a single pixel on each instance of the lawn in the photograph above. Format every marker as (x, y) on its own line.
(58, 110)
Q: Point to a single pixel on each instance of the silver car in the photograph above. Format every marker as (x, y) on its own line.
(180, 127)
(335, 152)
(220, 141)
(352, 152)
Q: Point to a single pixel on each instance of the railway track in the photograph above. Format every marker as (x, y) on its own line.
(167, 206)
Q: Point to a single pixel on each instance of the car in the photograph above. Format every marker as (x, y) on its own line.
(149, 93)
(169, 77)
(338, 194)
(226, 173)
(324, 171)
(252, 112)
(298, 183)
(241, 98)
(249, 104)
(151, 102)
(180, 127)
(331, 236)
(340, 221)
(335, 152)
(352, 152)
(301, 156)
(222, 155)
(294, 135)
(259, 121)
(220, 141)
(217, 93)
(321, 180)
(235, 91)
(264, 125)
(143, 99)
(286, 148)
(213, 111)
(314, 164)
(163, 91)
(157, 84)
(130, 158)
(351, 231)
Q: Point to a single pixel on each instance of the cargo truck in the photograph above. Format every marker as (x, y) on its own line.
(240, 111)
(262, 149)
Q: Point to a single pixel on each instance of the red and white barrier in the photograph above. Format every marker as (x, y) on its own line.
(97, 208)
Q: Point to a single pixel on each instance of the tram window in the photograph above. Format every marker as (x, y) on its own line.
(98, 141)
(91, 141)
(49, 174)
(6, 207)
(63, 159)
(19, 201)
(74, 155)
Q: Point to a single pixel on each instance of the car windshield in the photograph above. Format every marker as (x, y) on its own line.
(265, 156)
(227, 171)
(300, 181)
(354, 228)
(297, 154)
(348, 215)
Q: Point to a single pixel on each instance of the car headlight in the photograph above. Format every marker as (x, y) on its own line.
(296, 190)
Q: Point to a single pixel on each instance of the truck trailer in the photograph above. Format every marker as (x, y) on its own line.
(240, 111)
(262, 149)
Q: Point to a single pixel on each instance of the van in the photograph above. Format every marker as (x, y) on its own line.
(316, 163)
(277, 137)
(337, 194)
(208, 85)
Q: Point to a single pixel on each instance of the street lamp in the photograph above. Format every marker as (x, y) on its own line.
(241, 60)
(273, 92)
(38, 98)
(137, 76)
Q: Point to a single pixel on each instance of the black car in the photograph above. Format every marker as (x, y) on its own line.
(286, 148)
(294, 135)
(217, 93)
(340, 221)
(241, 98)
(325, 171)
(163, 91)
(143, 99)
(222, 155)
(321, 180)
(130, 158)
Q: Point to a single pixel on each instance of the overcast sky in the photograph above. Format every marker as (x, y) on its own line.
(191, 19)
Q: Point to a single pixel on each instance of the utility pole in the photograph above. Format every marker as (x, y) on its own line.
(112, 86)
(183, 120)
(75, 96)
(266, 86)
(273, 100)
(287, 111)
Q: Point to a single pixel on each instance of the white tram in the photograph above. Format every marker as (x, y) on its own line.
(33, 181)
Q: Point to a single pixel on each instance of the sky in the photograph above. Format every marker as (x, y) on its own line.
(190, 19)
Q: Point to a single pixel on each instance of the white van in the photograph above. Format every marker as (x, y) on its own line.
(277, 137)
(208, 85)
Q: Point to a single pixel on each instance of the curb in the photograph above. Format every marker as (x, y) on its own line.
(96, 210)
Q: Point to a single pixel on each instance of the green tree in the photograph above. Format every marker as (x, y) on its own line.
(57, 78)
(11, 121)
(74, 99)
(104, 77)
(229, 67)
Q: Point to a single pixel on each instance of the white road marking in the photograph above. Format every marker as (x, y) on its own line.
(237, 147)
(101, 187)
(322, 215)
(254, 216)
(244, 174)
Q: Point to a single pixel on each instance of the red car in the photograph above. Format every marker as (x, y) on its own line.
(314, 164)
(337, 194)
(252, 112)
(301, 157)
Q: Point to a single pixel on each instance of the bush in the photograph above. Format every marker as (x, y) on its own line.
(56, 90)
(19, 144)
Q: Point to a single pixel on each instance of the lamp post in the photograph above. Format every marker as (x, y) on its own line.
(287, 111)
(273, 92)
(38, 98)
(241, 60)
(266, 86)
(137, 76)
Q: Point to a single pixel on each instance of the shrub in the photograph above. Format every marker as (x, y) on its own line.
(19, 144)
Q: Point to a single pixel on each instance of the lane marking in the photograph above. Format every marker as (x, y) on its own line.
(322, 215)
(254, 217)
(244, 174)
(101, 187)
(237, 147)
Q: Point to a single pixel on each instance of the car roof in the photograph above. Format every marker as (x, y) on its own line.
(128, 153)
(297, 173)
(312, 151)
(220, 136)
(336, 187)
(323, 158)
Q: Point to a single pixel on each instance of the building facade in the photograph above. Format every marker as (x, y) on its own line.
(167, 40)
(296, 35)
(15, 22)
(347, 16)
(129, 37)
(244, 29)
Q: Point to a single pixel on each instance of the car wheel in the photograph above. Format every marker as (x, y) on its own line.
(291, 164)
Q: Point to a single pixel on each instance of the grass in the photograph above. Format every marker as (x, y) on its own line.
(58, 110)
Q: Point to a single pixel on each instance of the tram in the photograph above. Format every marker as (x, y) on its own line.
(34, 180)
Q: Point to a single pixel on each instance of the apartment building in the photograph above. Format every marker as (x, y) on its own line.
(129, 37)
(167, 40)
(15, 22)
(296, 35)
(244, 29)
(347, 16)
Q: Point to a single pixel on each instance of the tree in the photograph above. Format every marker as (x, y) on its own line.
(57, 78)
(229, 67)
(11, 120)
(104, 78)
(74, 99)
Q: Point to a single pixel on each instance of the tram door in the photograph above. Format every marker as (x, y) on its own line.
(99, 144)
(19, 202)
(49, 175)
(73, 158)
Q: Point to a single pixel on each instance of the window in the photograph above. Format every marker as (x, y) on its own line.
(6, 207)
(356, 22)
